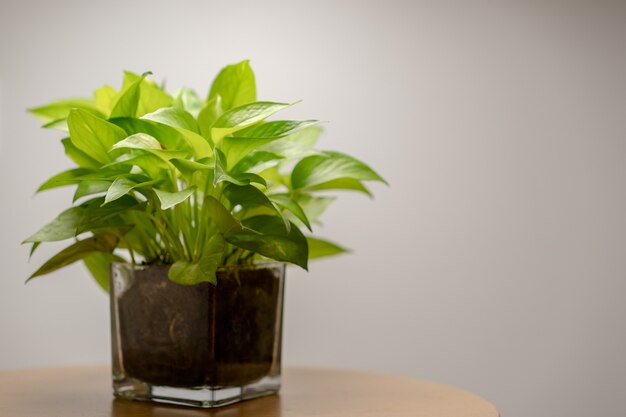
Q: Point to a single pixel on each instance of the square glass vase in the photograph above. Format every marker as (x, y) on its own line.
(202, 345)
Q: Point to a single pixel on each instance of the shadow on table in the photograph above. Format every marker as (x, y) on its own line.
(266, 406)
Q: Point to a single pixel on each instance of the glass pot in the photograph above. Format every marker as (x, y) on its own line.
(203, 345)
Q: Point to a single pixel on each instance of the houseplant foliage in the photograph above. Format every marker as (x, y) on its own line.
(176, 189)
(195, 183)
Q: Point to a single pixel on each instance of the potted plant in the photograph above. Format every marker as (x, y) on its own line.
(186, 210)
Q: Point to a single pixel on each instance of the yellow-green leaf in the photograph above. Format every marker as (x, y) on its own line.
(92, 135)
(235, 84)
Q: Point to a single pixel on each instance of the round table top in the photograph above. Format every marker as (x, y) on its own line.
(86, 392)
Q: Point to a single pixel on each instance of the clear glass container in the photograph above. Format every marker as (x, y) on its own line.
(203, 345)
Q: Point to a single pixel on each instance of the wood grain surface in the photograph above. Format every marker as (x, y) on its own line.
(306, 392)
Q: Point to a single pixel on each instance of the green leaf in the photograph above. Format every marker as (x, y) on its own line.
(208, 115)
(314, 207)
(152, 165)
(79, 157)
(248, 196)
(61, 228)
(182, 141)
(185, 124)
(139, 141)
(257, 162)
(235, 85)
(59, 110)
(110, 216)
(242, 179)
(99, 265)
(105, 98)
(93, 135)
(319, 169)
(122, 186)
(149, 144)
(342, 184)
(285, 200)
(99, 243)
(297, 145)
(174, 117)
(188, 100)
(272, 241)
(274, 178)
(128, 101)
(187, 168)
(237, 147)
(90, 187)
(142, 236)
(243, 116)
(69, 177)
(194, 173)
(275, 129)
(203, 270)
(221, 175)
(151, 96)
(171, 199)
(220, 217)
(168, 136)
(75, 220)
(33, 248)
(248, 178)
(60, 124)
(319, 248)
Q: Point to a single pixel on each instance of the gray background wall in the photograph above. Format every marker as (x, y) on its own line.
(495, 262)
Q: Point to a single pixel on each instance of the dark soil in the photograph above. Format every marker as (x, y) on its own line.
(201, 335)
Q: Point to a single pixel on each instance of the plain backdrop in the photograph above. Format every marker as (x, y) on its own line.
(494, 262)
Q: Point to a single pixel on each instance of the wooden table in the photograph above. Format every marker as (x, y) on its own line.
(86, 392)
